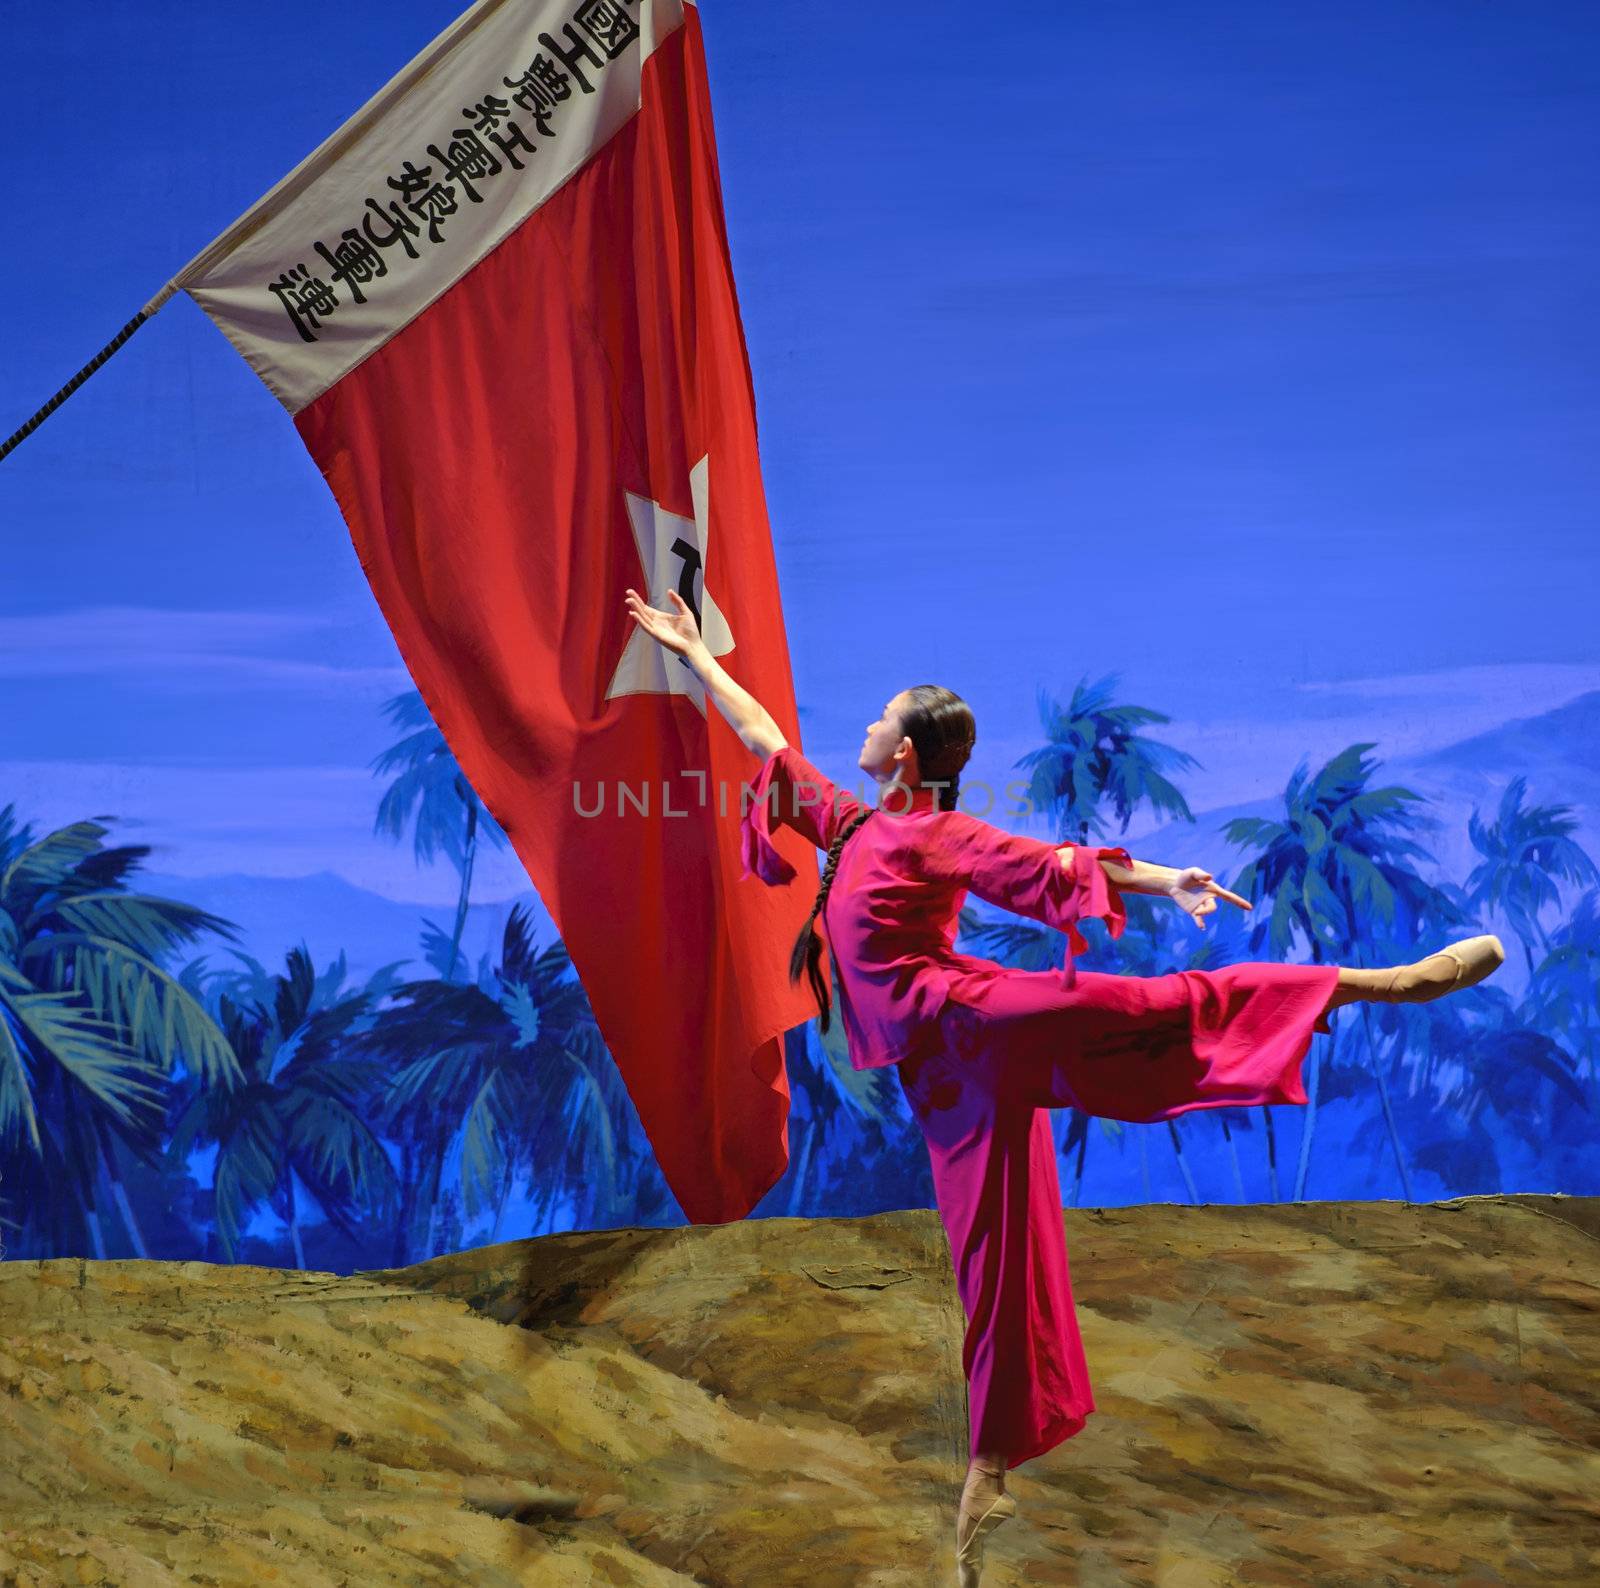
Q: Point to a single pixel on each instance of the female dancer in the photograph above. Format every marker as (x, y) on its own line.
(984, 1051)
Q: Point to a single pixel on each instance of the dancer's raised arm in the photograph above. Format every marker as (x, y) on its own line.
(678, 632)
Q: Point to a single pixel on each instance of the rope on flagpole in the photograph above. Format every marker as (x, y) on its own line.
(309, 169)
(12, 442)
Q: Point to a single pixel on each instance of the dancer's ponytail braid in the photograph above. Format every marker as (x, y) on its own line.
(806, 956)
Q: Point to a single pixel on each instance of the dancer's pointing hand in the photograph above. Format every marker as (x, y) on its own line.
(1195, 891)
(677, 629)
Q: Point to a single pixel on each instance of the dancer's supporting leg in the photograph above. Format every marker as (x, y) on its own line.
(986, 1475)
(1462, 964)
(986, 1482)
(998, 1194)
(984, 1506)
(1126, 1048)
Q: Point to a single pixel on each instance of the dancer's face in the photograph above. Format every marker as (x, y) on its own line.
(887, 751)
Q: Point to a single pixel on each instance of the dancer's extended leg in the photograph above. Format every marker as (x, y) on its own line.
(1148, 1048)
(1462, 964)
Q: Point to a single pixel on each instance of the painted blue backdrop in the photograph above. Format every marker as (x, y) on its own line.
(1243, 355)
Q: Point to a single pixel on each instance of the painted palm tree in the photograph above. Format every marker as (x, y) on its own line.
(807, 1069)
(1339, 870)
(431, 794)
(1491, 1077)
(1528, 850)
(1565, 992)
(300, 1118)
(91, 1026)
(1095, 756)
(507, 1073)
(838, 1097)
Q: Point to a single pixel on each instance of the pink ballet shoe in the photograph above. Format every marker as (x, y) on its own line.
(1462, 964)
(969, 1549)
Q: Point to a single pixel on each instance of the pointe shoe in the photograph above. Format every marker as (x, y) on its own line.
(1466, 964)
(969, 1550)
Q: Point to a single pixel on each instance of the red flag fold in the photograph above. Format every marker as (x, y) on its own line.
(524, 404)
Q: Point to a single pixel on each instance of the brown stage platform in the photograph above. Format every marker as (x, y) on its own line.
(1312, 1394)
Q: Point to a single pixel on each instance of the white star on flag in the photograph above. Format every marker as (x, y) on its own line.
(673, 551)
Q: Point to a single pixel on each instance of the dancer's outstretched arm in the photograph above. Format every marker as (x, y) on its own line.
(678, 631)
(1193, 889)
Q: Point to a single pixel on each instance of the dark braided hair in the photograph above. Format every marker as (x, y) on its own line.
(806, 956)
(941, 729)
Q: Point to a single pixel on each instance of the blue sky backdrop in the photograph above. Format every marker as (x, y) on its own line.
(1246, 350)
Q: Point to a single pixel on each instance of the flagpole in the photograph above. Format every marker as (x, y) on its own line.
(13, 441)
(275, 197)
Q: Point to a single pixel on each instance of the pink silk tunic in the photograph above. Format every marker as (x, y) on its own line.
(895, 903)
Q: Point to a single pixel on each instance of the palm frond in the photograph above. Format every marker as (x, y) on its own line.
(43, 866)
(157, 1015)
(153, 926)
(88, 1051)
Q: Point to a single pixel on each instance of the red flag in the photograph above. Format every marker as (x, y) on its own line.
(499, 305)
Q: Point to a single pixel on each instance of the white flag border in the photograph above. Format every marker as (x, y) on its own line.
(301, 176)
(658, 20)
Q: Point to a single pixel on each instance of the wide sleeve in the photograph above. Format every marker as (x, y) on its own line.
(1025, 875)
(790, 792)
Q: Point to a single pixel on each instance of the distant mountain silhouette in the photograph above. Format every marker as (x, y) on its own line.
(331, 915)
(1565, 740)
(1558, 751)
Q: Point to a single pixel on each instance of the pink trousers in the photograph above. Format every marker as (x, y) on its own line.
(1122, 1047)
